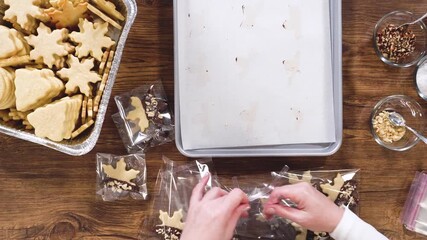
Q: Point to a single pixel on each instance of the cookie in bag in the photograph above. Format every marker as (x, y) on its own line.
(121, 177)
(144, 119)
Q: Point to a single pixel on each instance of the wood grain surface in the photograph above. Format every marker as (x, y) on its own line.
(45, 194)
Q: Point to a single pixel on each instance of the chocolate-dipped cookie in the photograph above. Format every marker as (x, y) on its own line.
(317, 235)
(348, 195)
(118, 186)
(168, 232)
(171, 227)
(155, 107)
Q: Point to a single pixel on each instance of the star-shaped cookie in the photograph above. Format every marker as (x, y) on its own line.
(49, 47)
(24, 13)
(91, 39)
(79, 75)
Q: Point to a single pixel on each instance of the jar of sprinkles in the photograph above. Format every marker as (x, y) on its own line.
(421, 78)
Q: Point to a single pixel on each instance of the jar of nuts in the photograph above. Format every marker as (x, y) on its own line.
(386, 130)
(397, 45)
(390, 136)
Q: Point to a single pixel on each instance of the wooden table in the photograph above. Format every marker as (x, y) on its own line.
(46, 194)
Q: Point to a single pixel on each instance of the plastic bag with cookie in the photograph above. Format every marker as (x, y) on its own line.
(341, 186)
(172, 195)
(121, 177)
(144, 119)
(256, 226)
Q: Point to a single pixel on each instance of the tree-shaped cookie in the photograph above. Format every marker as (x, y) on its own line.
(67, 13)
(79, 75)
(49, 47)
(56, 120)
(7, 88)
(12, 43)
(35, 88)
(24, 13)
(91, 39)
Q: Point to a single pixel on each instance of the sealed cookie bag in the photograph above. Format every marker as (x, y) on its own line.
(172, 195)
(144, 118)
(121, 177)
(256, 226)
(340, 186)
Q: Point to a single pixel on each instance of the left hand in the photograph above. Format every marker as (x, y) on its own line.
(214, 215)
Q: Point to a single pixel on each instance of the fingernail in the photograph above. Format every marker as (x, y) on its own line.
(270, 211)
(247, 208)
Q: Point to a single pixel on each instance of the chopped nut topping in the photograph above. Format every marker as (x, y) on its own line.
(385, 130)
(154, 107)
(396, 43)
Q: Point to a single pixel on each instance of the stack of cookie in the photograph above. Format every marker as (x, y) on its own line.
(64, 112)
(7, 88)
(55, 58)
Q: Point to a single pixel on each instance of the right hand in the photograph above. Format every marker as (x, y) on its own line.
(315, 211)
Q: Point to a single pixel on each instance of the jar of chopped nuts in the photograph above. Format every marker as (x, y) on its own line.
(397, 45)
(390, 136)
(385, 130)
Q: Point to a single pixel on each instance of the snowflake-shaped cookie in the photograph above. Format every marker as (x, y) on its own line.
(120, 173)
(91, 39)
(24, 13)
(67, 13)
(79, 75)
(49, 47)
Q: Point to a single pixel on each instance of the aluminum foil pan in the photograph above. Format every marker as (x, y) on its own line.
(87, 141)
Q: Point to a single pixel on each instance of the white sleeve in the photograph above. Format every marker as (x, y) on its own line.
(351, 227)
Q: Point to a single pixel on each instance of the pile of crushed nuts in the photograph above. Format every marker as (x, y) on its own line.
(396, 43)
(385, 130)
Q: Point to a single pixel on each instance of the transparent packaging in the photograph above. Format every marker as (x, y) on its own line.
(341, 186)
(172, 195)
(144, 119)
(414, 215)
(121, 177)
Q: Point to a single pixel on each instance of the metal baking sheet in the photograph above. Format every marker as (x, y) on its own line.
(277, 150)
(86, 142)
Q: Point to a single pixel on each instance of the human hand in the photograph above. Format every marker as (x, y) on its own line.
(315, 211)
(214, 214)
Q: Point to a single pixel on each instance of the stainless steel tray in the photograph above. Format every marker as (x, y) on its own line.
(279, 150)
(86, 142)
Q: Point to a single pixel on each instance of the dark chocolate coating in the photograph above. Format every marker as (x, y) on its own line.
(348, 195)
(168, 233)
(134, 188)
